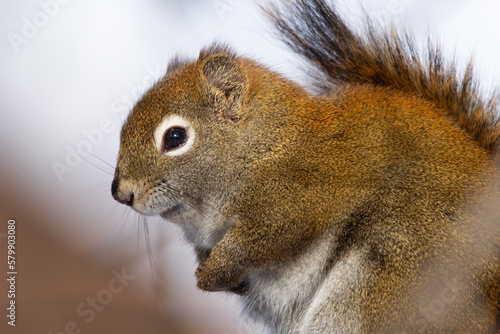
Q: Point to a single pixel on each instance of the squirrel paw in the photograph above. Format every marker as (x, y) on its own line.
(220, 275)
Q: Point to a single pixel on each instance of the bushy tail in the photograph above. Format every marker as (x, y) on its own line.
(337, 54)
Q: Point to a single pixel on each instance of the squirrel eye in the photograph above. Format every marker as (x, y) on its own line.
(174, 138)
(174, 135)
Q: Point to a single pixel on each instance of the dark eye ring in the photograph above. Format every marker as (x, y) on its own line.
(174, 138)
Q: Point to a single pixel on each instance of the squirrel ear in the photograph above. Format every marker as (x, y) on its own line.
(226, 83)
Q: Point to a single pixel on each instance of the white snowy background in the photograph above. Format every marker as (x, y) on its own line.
(71, 70)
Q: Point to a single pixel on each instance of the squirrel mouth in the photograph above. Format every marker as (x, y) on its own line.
(170, 212)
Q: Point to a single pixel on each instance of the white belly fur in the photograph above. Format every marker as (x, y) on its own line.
(301, 297)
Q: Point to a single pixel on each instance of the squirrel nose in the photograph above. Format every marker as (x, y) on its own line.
(120, 195)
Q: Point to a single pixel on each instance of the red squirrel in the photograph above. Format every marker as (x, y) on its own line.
(364, 203)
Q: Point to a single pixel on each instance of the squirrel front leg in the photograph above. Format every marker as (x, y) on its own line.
(223, 268)
(249, 246)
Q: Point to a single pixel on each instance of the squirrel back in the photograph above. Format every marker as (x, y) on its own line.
(336, 55)
(369, 206)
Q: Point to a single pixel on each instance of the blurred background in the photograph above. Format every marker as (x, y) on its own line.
(70, 71)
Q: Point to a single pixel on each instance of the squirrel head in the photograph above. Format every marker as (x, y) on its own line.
(181, 147)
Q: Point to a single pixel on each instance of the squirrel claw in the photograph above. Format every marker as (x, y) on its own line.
(241, 289)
